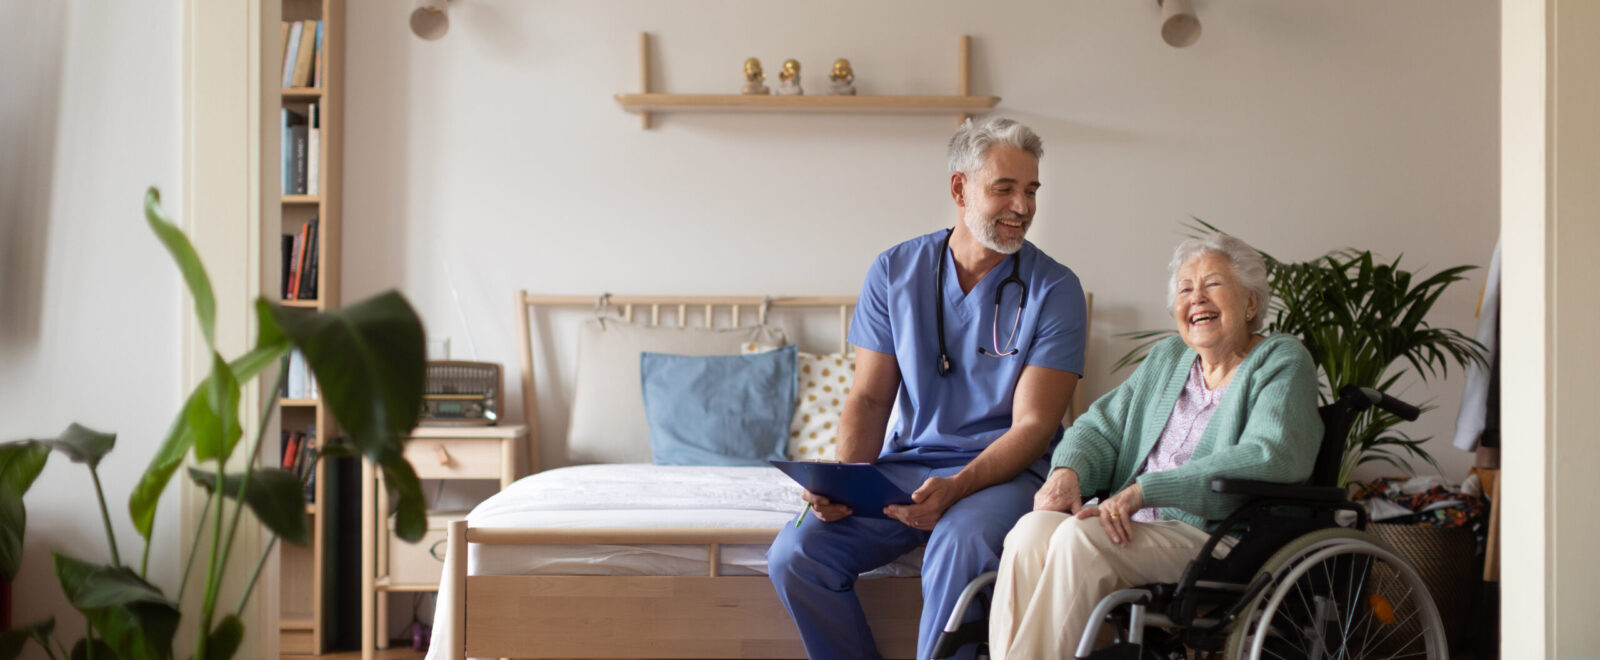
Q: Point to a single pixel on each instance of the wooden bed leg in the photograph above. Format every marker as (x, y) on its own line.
(453, 593)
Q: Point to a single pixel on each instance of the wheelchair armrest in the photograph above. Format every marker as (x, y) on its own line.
(1270, 489)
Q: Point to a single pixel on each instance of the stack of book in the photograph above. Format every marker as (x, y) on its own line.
(301, 383)
(302, 54)
(298, 454)
(300, 257)
(301, 142)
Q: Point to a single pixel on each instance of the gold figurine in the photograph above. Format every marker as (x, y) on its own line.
(839, 82)
(753, 77)
(789, 79)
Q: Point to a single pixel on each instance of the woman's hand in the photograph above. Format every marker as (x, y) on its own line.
(1116, 514)
(824, 509)
(1059, 492)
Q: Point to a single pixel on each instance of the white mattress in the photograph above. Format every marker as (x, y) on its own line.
(641, 496)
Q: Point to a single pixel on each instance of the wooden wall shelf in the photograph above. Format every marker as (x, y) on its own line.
(963, 103)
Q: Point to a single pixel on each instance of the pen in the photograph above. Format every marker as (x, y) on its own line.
(802, 517)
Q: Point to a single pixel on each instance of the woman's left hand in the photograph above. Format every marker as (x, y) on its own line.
(1116, 514)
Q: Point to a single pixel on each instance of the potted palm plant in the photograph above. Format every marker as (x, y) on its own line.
(1365, 323)
(368, 360)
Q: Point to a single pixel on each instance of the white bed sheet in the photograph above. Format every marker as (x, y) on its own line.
(637, 496)
(641, 496)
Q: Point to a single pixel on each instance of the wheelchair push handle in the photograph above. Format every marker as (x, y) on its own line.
(1364, 397)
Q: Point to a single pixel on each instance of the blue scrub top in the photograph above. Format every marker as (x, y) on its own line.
(951, 418)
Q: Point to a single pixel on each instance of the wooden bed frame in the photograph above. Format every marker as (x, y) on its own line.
(709, 616)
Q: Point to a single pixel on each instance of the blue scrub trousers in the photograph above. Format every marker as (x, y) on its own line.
(814, 566)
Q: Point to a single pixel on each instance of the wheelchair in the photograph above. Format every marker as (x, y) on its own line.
(1297, 584)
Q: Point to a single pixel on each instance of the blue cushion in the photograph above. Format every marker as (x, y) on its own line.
(718, 409)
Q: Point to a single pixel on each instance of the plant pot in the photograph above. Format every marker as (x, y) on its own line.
(1446, 559)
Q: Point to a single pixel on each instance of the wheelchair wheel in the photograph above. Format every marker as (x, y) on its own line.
(1339, 593)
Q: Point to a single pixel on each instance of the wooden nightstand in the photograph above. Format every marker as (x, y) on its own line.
(435, 452)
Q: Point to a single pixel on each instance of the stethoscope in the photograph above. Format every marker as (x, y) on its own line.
(945, 365)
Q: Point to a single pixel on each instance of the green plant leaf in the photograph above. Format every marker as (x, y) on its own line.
(12, 641)
(216, 423)
(183, 252)
(271, 344)
(131, 615)
(80, 651)
(276, 496)
(83, 444)
(411, 520)
(225, 638)
(368, 359)
(20, 464)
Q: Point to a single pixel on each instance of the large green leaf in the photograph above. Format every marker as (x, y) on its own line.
(20, 464)
(131, 615)
(183, 252)
(368, 361)
(411, 519)
(83, 444)
(216, 424)
(95, 649)
(225, 638)
(275, 495)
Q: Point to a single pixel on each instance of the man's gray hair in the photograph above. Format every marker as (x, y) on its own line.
(971, 143)
(1248, 267)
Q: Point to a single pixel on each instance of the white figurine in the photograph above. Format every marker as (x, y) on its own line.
(753, 77)
(789, 79)
(839, 82)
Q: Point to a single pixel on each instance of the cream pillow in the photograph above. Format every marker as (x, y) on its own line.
(608, 423)
(824, 382)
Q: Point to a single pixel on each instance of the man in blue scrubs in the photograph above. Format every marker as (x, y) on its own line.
(976, 338)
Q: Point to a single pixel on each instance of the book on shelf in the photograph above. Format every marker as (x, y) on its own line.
(293, 126)
(298, 243)
(322, 60)
(308, 264)
(288, 264)
(291, 52)
(289, 453)
(303, 58)
(314, 151)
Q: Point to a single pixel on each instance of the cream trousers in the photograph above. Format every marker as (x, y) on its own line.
(1056, 568)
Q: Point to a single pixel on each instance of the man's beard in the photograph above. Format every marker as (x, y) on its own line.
(988, 234)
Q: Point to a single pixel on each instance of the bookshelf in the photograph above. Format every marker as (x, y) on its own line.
(310, 186)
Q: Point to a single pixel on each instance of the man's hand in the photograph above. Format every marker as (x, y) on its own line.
(1059, 492)
(1116, 514)
(825, 510)
(931, 499)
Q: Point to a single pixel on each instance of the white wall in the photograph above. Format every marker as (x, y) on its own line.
(89, 331)
(498, 158)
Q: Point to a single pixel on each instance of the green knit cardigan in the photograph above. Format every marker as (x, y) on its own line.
(1266, 427)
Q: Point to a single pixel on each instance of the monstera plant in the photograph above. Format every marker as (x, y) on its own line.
(1365, 323)
(368, 361)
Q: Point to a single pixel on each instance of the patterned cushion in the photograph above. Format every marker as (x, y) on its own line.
(824, 382)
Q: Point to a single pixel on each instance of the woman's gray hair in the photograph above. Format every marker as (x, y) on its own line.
(971, 143)
(1248, 267)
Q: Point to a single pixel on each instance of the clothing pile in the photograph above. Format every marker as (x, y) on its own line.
(1426, 501)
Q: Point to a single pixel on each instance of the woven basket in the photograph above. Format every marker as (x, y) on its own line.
(1444, 557)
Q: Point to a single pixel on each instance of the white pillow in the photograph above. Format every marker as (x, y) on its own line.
(608, 423)
(824, 382)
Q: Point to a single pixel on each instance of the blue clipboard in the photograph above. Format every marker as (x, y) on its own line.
(862, 486)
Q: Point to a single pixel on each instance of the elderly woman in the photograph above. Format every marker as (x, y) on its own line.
(1217, 400)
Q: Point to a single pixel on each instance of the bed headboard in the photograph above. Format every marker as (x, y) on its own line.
(701, 311)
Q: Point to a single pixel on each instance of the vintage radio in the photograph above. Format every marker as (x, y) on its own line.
(461, 392)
